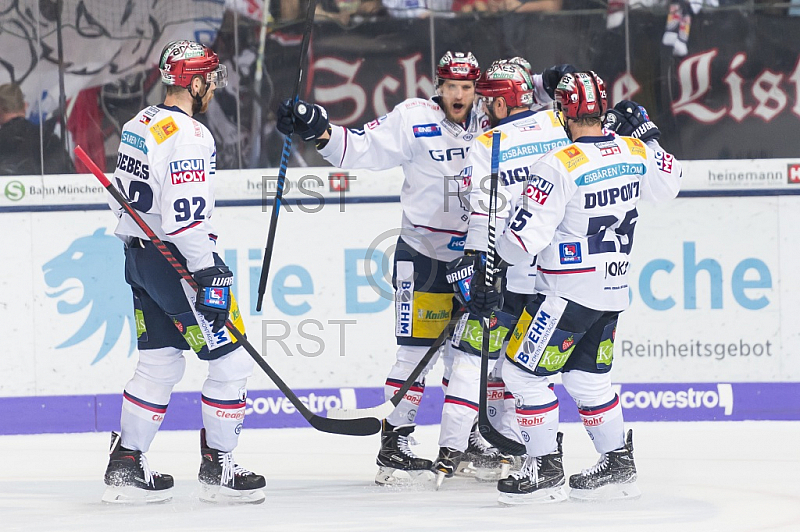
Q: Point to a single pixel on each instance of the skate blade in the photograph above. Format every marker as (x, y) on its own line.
(490, 474)
(609, 492)
(466, 470)
(543, 496)
(440, 476)
(388, 476)
(133, 495)
(223, 495)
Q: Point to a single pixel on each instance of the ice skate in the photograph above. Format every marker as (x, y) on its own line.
(130, 480)
(397, 463)
(223, 481)
(446, 464)
(540, 480)
(482, 461)
(613, 477)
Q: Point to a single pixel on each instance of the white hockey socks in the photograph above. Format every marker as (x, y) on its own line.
(408, 357)
(536, 409)
(599, 408)
(146, 396)
(224, 398)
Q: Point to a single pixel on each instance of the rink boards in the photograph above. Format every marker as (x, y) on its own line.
(711, 333)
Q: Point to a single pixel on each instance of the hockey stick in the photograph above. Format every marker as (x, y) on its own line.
(287, 151)
(383, 410)
(487, 430)
(352, 427)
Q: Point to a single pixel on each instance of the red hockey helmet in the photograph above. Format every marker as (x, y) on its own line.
(581, 95)
(182, 60)
(458, 66)
(508, 80)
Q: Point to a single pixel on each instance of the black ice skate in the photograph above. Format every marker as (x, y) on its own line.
(130, 480)
(613, 477)
(396, 455)
(540, 480)
(446, 464)
(482, 461)
(222, 480)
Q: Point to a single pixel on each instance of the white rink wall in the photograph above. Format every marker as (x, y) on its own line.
(712, 277)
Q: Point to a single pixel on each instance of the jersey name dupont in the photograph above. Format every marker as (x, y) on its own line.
(187, 171)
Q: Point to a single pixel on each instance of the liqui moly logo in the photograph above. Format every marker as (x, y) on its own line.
(187, 171)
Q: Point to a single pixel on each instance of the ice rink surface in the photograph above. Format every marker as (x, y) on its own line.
(725, 476)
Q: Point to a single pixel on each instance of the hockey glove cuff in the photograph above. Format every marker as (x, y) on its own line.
(630, 119)
(310, 120)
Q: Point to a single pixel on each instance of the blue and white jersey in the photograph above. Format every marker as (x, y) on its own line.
(524, 138)
(165, 167)
(578, 215)
(431, 150)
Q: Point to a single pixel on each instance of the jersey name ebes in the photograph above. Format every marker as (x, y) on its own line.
(578, 214)
(524, 138)
(165, 167)
(431, 150)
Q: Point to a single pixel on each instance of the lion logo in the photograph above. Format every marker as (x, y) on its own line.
(96, 263)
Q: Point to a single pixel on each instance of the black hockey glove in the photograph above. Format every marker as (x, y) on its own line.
(213, 294)
(467, 274)
(487, 299)
(285, 123)
(551, 76)
(630, 119)
(310, 120)
(460, 271)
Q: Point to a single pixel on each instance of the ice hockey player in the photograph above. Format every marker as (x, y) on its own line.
(166, 166)
(430, 140)
(578, 214)
(506, 92)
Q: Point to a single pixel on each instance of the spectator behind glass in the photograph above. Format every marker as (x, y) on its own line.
(19, 140)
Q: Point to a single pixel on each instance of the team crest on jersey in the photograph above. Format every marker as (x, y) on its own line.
(486, 138)
(427, 130)
(466, 177)
(572, 157)
(636, 146)
(148, 114)
(608, 148)
(664, 161)
(164, 129)
(538, 189)
(187, 171)
(570, 252)
(529, 127)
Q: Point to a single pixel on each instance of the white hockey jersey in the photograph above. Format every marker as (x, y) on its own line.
(165, 167)
(524, 138)
(431, 150)
(578, 215)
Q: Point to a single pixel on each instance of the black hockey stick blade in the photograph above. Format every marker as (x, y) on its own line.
(351, 427)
